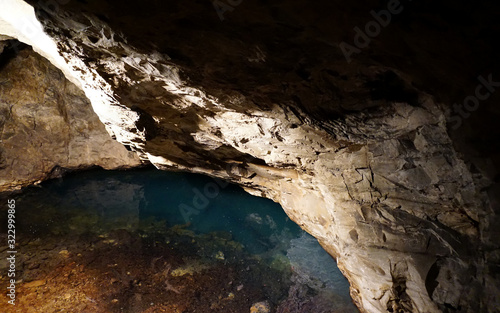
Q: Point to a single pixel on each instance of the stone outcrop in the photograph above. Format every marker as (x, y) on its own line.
(47, 125)
(358, 154)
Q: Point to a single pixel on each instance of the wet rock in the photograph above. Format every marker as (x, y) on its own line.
(261, 307)
(191, 267)
(219, 255)
(35, 283)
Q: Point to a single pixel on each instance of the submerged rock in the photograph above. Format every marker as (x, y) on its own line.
(191, 267)
(35, 283)
(260, 307)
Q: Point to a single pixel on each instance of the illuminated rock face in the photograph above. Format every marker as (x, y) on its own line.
(47, 125)
(354, 152)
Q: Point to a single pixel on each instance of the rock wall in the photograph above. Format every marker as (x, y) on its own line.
(47, 125)
(358, 154)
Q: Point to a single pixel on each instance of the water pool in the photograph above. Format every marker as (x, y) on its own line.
(153, 241)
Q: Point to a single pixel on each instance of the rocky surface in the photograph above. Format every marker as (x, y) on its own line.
(360, 154)
(47, 125)
(85, 265)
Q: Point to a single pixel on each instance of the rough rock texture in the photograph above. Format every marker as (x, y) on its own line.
(359, 154)
(47, 124)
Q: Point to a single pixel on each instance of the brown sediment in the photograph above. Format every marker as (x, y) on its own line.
(125, 272)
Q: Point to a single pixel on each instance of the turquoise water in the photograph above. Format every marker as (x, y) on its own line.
(204, 204)
(147, 200)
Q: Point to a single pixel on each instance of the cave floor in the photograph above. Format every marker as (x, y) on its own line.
(173, 270)
(121, 272)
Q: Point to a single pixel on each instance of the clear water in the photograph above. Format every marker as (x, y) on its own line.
(146, 200)
(128, 197)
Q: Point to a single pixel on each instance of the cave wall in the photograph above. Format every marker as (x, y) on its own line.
(359, 154)
(47, 125)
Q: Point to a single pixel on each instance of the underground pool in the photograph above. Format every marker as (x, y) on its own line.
(152, 241)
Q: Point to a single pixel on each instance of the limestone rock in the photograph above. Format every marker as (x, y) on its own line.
(47, 125)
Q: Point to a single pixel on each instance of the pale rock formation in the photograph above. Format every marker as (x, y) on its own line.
(380, 186)
(47, 126)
